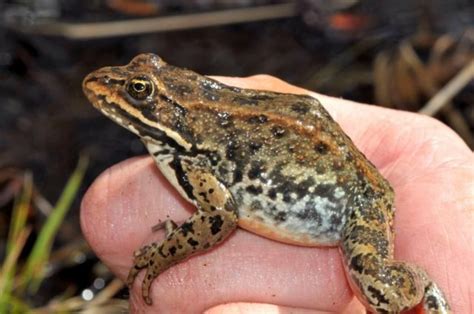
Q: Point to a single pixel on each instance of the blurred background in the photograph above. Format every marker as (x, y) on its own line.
(409, 55)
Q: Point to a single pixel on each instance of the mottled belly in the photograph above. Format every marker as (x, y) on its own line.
(313, 220)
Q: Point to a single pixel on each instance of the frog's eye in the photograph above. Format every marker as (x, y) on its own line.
(140, 88)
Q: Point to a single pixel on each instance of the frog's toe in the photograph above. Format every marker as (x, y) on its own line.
(146, 284)
(169, 226)
(132, 274)
(142, 258)
(141, 254)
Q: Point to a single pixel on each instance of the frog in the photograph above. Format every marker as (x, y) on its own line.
(275, 164)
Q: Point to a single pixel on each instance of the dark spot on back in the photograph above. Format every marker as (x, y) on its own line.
(172, 250)
(278, 131)
(300, 107)
(245, 101)
(231, 150)
(258, 119)
(214, 158)
(254, 146)
(224, 119)
(321, 148)
(262, 97)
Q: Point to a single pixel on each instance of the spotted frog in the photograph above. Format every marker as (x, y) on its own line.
(274, 164)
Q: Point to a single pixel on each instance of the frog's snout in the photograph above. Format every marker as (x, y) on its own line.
(101, 82)
(100, 76)
(89, 87)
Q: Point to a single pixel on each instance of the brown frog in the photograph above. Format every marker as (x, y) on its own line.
(275, 164)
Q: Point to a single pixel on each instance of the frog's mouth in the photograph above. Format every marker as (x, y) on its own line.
(99, 90)
(129, 122)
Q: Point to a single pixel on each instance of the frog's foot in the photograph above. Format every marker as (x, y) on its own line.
(144, 258)
(434, 300)
(200, 232)
(381, 283)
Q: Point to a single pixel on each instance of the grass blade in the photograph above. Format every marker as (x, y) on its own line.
(17, 235)
(34, 269)
(7, 271)
(20, 212)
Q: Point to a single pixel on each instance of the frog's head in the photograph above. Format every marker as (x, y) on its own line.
(145, 97)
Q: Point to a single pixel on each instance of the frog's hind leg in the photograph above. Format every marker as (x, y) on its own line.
(214, 220)
(383, 284)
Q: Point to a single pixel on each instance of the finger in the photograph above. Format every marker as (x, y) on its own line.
(124, 203)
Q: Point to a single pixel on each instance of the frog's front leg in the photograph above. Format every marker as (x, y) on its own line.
(383, 284)
(214, 220)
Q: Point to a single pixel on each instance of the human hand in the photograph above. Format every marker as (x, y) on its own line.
(430, 168)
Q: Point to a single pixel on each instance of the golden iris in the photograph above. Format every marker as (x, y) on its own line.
(140, 88)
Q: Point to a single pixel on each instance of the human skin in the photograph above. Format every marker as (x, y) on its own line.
(429, 166)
